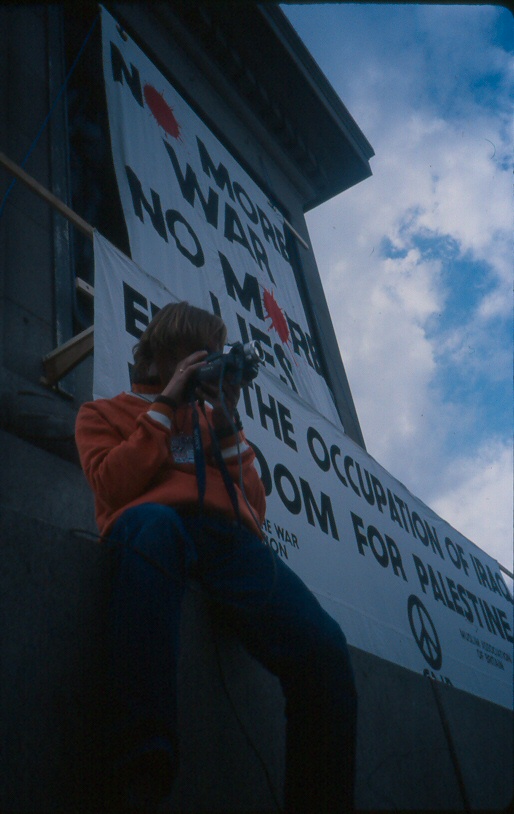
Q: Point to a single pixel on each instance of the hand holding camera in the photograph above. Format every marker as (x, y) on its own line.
(175, 392)
(220, 378)
(216, 377)
(237, 363)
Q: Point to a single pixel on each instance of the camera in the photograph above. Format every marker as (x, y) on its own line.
(238, 362)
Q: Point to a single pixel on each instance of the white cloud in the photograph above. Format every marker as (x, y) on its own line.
(440, 171)
(475, 496)
(470, 193)
(378, 313)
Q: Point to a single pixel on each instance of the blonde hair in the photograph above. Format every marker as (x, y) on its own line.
(178, 329)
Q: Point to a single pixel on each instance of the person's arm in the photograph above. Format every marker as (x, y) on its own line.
(120, 469)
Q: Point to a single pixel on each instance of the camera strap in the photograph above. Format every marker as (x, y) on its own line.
(201, 470)
(227, 480)
(199, 456)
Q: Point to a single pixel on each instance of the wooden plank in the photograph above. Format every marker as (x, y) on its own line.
(65, 357)
(84, 288)
(47, 196)
(60, 361)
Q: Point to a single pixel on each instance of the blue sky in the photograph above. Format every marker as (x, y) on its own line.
(416, 261)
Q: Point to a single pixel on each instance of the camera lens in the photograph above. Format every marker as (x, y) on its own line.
(253, 352)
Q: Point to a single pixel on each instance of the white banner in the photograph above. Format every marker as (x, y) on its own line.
(199, 223)
(403, 584)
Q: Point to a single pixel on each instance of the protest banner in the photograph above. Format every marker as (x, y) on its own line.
(198, 222)
(403, 584)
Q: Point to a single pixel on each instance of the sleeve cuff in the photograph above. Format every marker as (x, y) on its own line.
(232, 452)
(232, 448)
(161, 417)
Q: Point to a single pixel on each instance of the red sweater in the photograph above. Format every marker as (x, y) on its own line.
(134, 451)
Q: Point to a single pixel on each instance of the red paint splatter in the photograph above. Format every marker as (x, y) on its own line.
(161, 111)
(275, 313)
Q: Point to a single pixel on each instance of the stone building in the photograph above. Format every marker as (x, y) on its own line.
(248, 74)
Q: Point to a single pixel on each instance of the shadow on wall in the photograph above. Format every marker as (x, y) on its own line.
(54, 688)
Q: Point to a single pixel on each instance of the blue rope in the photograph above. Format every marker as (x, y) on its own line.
(50, 112)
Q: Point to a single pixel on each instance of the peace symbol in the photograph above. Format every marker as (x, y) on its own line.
(424, 632)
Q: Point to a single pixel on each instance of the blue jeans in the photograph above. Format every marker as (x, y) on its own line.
(274, 615)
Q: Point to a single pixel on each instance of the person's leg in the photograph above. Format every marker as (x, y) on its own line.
(282, 624)
(149, 572)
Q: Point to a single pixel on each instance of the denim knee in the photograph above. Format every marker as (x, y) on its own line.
(155, 532)
(138, 518)
(331, 665)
